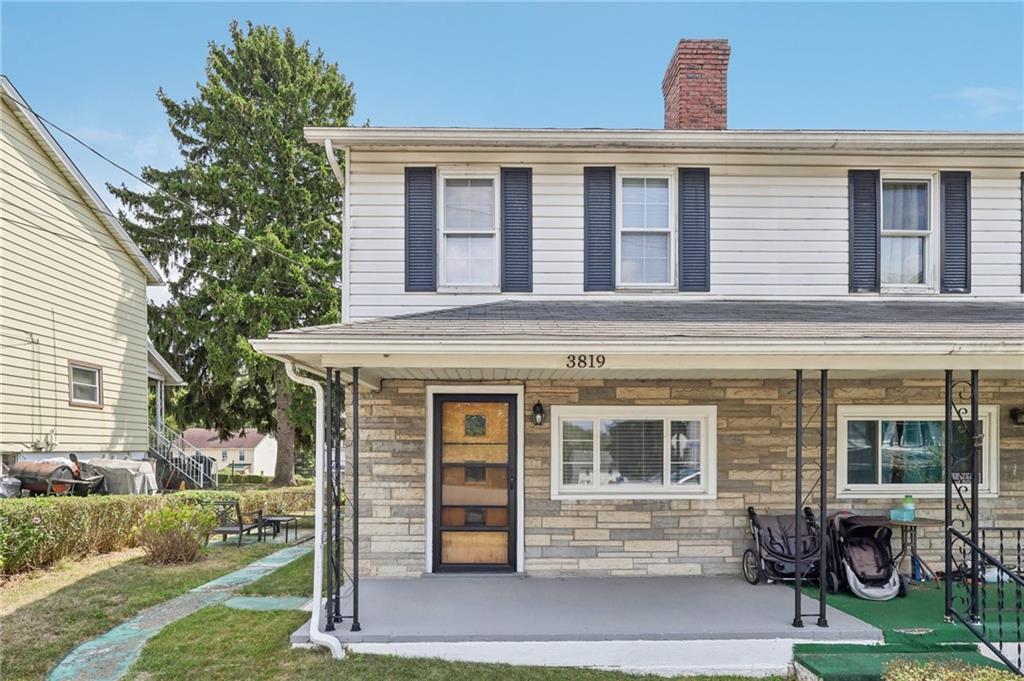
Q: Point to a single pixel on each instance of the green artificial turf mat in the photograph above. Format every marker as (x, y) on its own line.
(869, 663)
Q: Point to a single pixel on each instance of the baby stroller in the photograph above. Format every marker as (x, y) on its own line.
(773, 556)
(861, 559)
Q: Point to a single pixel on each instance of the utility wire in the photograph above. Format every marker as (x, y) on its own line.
(170, 196)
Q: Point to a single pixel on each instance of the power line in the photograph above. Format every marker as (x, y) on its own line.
(170, 196)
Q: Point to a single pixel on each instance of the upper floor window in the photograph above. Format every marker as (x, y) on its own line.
(469, 231)
(645, 231)
(223, 455)
(85, 384)
(907, 241)
(241, 455)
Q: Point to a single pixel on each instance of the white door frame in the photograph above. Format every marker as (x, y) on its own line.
(428, 450)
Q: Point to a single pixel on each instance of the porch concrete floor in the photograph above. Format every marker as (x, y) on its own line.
(512, 608)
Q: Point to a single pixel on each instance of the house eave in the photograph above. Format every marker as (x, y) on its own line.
(764, 141)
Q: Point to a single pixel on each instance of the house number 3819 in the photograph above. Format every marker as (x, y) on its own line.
(584, 361)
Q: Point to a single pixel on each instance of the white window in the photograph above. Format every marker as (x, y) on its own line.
(223, 455)
(908, 255)
(241, 455)
(645, 231)
(469, 231)
(633, 452)
(85, 385)
(892, 451)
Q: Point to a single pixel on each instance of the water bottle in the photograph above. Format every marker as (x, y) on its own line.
(910, 506)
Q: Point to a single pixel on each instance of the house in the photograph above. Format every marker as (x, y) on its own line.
(246, 453)
(584, 353)
(77, 366)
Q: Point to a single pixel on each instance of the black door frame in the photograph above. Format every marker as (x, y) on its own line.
(511, 399)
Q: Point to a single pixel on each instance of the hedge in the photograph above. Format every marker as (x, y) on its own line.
(38, 531)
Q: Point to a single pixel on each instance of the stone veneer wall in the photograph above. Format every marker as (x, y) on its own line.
(678, 537)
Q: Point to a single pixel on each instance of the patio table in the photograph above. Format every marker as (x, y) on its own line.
(276, 521)
(908, 546)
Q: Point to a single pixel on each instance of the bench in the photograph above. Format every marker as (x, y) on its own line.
(231, 520)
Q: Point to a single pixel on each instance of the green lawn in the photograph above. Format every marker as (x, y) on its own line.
(294, 579)
(254, 646)
(36, 635)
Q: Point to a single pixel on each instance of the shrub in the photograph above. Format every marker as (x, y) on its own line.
(916, 671)
(38, 531)
(35, 532)
(176, 533)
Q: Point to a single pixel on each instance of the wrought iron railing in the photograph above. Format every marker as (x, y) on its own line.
(186, 461)
(987, 594)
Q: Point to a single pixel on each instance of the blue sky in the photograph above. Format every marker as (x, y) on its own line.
(94, 67)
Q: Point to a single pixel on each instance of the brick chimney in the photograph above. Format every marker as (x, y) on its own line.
(695, 86)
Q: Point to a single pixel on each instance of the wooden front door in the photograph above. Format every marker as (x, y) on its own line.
(474, 483)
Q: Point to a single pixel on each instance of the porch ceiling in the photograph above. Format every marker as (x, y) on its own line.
(520, 339)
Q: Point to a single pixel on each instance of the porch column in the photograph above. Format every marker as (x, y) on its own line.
(798, 618)
(354, 506)
(159, 409)
(823, 514)
(948, 480)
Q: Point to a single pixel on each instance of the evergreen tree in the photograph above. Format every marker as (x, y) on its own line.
(248, 226)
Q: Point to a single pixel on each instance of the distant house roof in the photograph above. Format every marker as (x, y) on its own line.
(25, 113)
(201, 438)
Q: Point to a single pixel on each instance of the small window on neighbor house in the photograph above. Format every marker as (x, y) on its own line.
(241, 455)
(906, 233)
(645, 232)
(223, 455)
(892, 451)
(469, 232)
(633, 451)
(85, 384)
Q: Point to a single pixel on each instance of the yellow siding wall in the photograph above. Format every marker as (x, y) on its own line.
(72, 295)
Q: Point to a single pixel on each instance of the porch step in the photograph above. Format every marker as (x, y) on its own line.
(840, 662)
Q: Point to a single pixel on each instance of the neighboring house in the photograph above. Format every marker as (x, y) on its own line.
(76, 364)
(578, 355)
(246, 453)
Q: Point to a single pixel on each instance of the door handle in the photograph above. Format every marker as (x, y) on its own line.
(512, 482)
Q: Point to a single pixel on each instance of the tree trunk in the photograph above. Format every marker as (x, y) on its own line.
(284, 471)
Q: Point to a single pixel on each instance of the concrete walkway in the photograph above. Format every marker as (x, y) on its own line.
(110, 656)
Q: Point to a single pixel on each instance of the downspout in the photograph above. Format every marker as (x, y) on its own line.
(315, 635)
(342, 176)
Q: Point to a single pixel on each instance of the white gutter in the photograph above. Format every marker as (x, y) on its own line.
(315, 635)
(827, 141)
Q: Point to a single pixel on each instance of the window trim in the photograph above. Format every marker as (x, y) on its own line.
(88, 404)
(706, 414)
(988, 415)
(631, 173)
(488, 173)
(931, 236)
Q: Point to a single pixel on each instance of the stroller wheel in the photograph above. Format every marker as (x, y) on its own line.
(833, 582)
(751, 569)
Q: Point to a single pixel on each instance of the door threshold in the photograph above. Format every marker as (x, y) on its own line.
(463, 575)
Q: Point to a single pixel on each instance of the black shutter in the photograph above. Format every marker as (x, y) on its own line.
(420, 229)
(1022, 232)
(694, 229)
(865, 197)
(599, 229)
(516, 229)
(955, 207)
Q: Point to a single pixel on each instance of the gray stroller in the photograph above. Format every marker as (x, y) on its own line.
(772, 558)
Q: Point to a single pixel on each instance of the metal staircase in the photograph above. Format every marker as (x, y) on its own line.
(182, 460)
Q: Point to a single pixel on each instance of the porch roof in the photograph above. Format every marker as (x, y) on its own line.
(518, 339)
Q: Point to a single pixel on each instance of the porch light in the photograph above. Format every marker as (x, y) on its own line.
(538, 414)
(1017, 416)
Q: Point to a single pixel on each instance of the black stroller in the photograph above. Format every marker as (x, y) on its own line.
(773, 556)
(860, 557)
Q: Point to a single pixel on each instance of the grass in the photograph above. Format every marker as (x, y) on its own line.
(294, 579)
(66, 608)
(254, 646)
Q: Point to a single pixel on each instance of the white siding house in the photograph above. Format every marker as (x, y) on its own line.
(75, 362)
